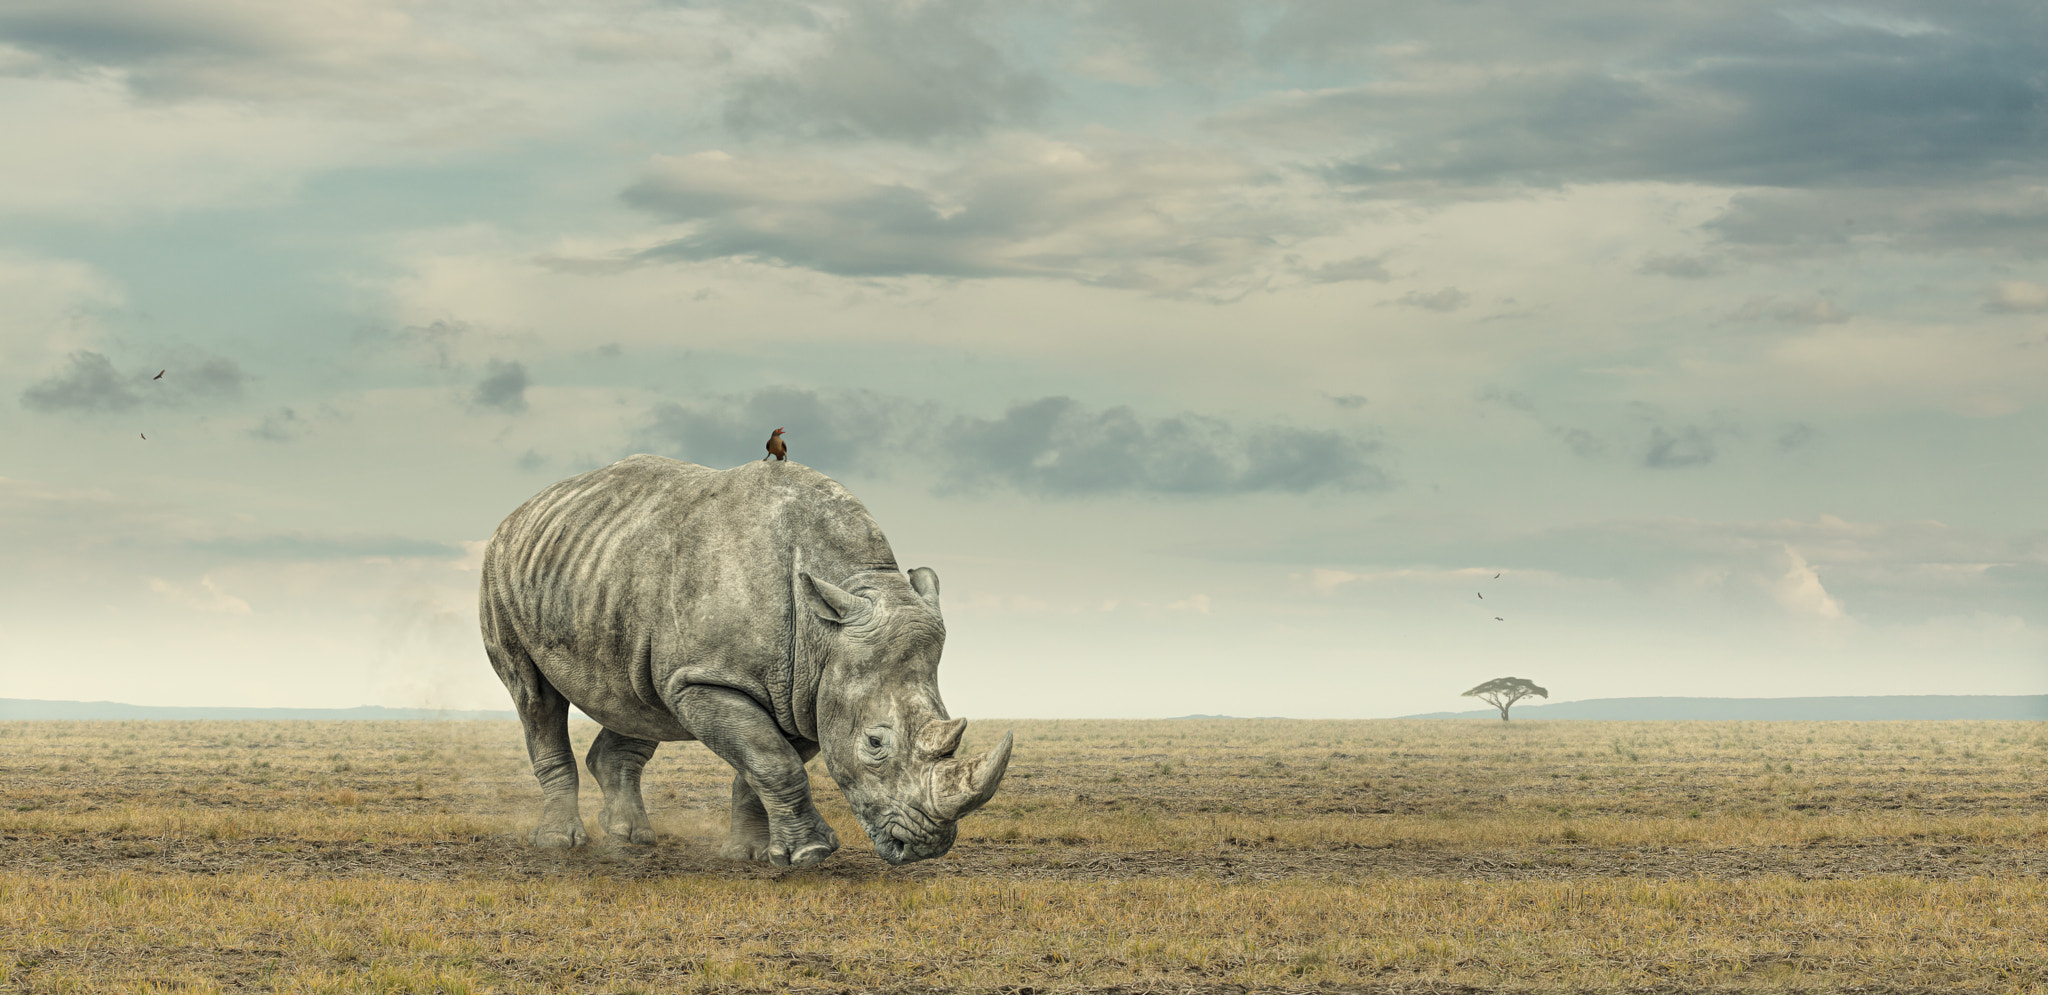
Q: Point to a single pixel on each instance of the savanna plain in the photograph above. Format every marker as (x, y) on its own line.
(1200, 855)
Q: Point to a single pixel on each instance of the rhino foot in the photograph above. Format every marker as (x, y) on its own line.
(801, 845)
(558, 837)
(808, 841)
(628, 829)
(802, 858)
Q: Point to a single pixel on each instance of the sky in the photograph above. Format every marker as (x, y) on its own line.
(1245, 357)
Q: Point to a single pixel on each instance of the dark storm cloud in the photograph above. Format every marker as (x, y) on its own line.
(89, 382)
(503, 387)
(912, 73)
(1050, 447)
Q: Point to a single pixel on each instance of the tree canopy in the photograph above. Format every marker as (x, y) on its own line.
(1503, 692)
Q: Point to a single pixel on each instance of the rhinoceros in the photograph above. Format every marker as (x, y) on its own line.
(758, 610)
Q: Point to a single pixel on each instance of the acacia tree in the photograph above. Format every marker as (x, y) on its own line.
(1503, 692)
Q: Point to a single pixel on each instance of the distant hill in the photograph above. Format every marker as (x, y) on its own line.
(28, 708)
(1865, 708)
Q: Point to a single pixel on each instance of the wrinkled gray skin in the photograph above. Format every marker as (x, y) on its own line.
(758, 610)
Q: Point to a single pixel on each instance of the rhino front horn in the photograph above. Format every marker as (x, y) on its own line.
(972, 782)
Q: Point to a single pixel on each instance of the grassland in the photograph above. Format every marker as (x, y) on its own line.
(1184, 855)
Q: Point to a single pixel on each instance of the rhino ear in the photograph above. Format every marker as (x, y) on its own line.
(830, 602)
(925, 581)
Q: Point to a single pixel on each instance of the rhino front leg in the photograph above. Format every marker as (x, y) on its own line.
(749, 838)
(772, 791)
(616, 762)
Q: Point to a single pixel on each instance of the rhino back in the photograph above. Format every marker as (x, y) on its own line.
(618, 581)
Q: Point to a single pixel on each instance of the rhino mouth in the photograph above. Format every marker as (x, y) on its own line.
(902, 837)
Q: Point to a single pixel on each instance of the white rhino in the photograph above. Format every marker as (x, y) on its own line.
(758, 610)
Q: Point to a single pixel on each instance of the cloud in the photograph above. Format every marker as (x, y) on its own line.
(1349, 402)
(1148, 215)
(1994, 217)
(88, 383)
(207, 378)
(1049, 447)
(1796, 436)
(282, 425)
(1133, 41)
(1446, 300)
(841, 432)
(309, 546)
(1685, 267)
(1346, 270)
(206, 597)
(1582, 443)
(1812, 311)
(1825, 567)
(2017, 297)
(503, 387)
(1689, 446)
(1734, 96)
(243, 49)
(912, 72)
(1055, 447)
(1800, 591)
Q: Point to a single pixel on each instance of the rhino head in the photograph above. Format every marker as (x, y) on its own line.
(881, 726)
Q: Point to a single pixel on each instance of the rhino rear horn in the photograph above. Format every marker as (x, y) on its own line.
(967, 784)
(939, 738)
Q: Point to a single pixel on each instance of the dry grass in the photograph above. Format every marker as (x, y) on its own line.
(1185, 855)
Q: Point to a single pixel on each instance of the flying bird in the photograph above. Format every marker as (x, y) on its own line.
(1496, 576)
(159, 375)
(1482, 597)
(145, 438)
(776, 447)
(1497, 618)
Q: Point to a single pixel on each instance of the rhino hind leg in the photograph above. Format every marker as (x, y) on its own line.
(616, 761)
(544, 712)
(773, 817)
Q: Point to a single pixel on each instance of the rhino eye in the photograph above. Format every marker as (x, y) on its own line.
(874, 742)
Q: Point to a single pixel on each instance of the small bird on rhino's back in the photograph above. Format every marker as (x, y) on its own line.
(776, 447)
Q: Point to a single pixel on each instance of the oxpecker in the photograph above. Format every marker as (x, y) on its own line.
(776, 447)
